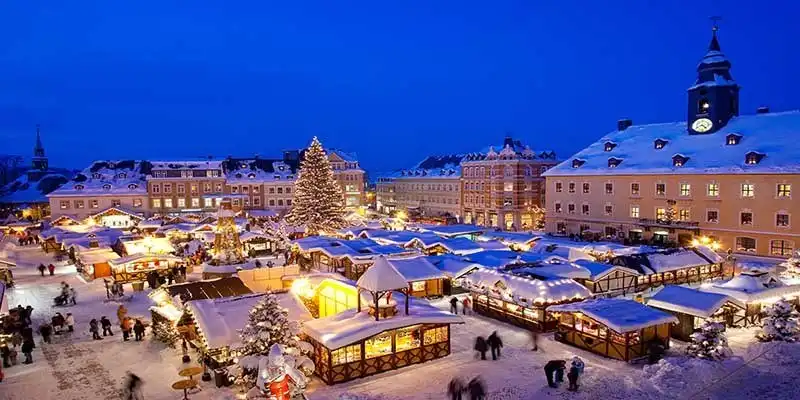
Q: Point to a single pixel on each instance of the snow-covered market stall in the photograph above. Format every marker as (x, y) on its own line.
(522, 301)
(693, 307)
(134, 268)
(755, 289)
(673, 266)
(616, 328)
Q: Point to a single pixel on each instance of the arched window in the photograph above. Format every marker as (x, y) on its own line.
(133, 186)
(79, 187)
(106, 187)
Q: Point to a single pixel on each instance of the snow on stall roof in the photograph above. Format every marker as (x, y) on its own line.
(710, 254)
(492, 245)
(708, 154)
(97, 256)
(754, 288)
(598, 269)
(157, 245)
(689, 301)
(220, 320)
(452, 265)
(451, 230)
(382, 276)
(493, 259)
(552, 267)
(619, 315)
(672, 260)
(350, 326)
(523, 290)
(510, 237)
(135, 257)
(417, 268)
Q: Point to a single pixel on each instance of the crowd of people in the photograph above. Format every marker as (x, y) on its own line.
(51, 268)
(67, 296)
(176, 274)
(18, 326)
(27, 239)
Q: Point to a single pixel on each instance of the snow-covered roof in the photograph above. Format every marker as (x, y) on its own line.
(689, 301)
(451, 230)
(619, 315)
(709, 254)
(152, 245)
(417, 268)
(494, 259)
(258, 170)
(707, 154)
(382, 276)
(97, 256)
(108, 178)
(350, 326)
(137, 257)
(136, 214)
(754, 287)
(447, 166)
(552, 267)
(186, 164)
(452, 265)
(32, 188)
(458, 245)
(262, 213)
(668, 260)
(598, 270)
(246, 236)
(219, 320)
(520, 238)
(524, 290)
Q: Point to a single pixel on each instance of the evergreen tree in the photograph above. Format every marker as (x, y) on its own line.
(792, 266)
(782, 323)
(164, 330)
(318, 203)
(710, 343)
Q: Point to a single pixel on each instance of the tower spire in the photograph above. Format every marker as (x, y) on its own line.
(39, 159)
(714, 45)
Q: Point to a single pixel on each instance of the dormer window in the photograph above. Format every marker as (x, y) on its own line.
(122, 175)
(244, 166)
(733, 139)
(753, 158)
(679, 160)
(289, 176)
(608, 146)
(106, 187)
(251, 175)
(659, 144)
(96, 175)
(703, 106)
(280, 168)
(614, 162)
(238, 176)
(577, 163)
(277, 177)
(79, 187)
(133, 186)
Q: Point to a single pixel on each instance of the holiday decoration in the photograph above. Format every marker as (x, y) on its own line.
(781, 323)
(268, 325)
(279, 375)
(791, 267)
(318, 203)
(227, 247)
(710, 342)
(164, 329)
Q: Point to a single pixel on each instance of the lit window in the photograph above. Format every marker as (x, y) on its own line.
(748, 190)
(661, 214)
(181, 203)
(661, 189)
(782, 248)
(635, 189)
(679, 160)
(732, 139)
(609, 146)
(79, 204)
(784, 190)
(782, 220)
(137, 203)
(659, 144)
(686, 189)
(609, 188)
(712, 216)
(208, 202)
(753, 158)
(634, 211)
(558, 207)
(168, 203)
(156, 203)
(712, 190)
(195, 202)
(585, 187)
(683, 215)
(559, 187)
(745, 244)
(746, 218)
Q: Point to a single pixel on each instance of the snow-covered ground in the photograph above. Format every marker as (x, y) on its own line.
(76, 367)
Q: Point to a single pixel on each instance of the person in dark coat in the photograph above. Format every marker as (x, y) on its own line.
(182, 270)
(45, 330)
(27, 350)
(138, 330)
(27, 334)
(132, 387)
(481, 347)
(554, 367)
(41, 269)
(94, 329)
(575, 371)
(476, 389)
(106, 324)
(495, 343)
(52, 269)
(454, 305)
(28, 313)
(455, 388)
(5, 352)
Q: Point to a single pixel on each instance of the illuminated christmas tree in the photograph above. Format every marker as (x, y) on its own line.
(318, 203)
(227, 246)
(781, 323)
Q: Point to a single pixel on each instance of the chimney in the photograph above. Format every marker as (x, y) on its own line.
(624, 124)
(762, 110)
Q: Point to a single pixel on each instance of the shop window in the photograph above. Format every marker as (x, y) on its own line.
(407, 338)
(418, 286)
(378, 345)
(435, 335)
(746, 244)
(782, 248)
(346, 355)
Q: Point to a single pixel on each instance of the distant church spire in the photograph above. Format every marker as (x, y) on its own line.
(39, 160)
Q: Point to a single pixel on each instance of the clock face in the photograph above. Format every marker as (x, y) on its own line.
(702, 125)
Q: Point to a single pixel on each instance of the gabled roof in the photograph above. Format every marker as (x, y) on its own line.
(619, 315)
(109, 177)
(689, 301)
(525, 290)
(382, 276)
(417, 268)
(708, 154)
(754, 287)
(599, 270)
(208, 289)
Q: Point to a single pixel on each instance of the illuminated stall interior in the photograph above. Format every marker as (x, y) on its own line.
(95, 263)
(616, 328)
(134, 268)
(755, 289)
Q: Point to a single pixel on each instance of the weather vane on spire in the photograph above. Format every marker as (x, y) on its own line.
(715, 22)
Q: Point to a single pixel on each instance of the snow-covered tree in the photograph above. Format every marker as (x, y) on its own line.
(710, 343)
(791, 267)
(318, 203)
(782, 323)
(268, 325)
(164, 330)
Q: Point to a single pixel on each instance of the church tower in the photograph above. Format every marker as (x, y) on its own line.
(39, 160)
(714, 97)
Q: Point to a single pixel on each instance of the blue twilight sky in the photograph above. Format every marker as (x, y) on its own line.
(390, 80)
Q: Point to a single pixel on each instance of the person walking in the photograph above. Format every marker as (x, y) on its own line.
(454, 305)
(27, 350)
(476, 389)
(466, 306)
(575, 371)
(28, 313)
(133, 387)
(127, 326)
(481, 347)
(106, 324)
(52, 269)
(122, 312)
(455, 388)
(535, 340)
(41, 269)
(94, 329)
(45, 330)
(70, 321)
(138, 330)
(495, 344)
(73, 296)
(27, 334)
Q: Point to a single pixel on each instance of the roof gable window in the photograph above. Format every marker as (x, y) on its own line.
(577, 163)
(679, 160)
(753, 158)
(613, 162)
(608, 146)
(733, 139)
(659, 144)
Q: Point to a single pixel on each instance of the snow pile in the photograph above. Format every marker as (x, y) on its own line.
(680, 376)
(780, 323)
(776, 353)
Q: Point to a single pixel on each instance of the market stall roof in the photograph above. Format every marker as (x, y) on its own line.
(119, 209)
(208, 289)
(140, 256)
(501, 258)
(459, 245)
(382, 276)
(156, 245)
(520, 238)
(417, 268)
(754, 287)
(689, 301)
(452, 230)
(669, 260)
(552, 267)
(350, 326)
(150, 224)
(522, 290)
(619, 315)
(247, 236)
(452, 265)
(97, 256)
(262, 213)
(598, 270)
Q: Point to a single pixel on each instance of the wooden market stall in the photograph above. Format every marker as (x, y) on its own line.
(616, 328)
(117, 217)
(609, 279)
(134, 268)
(673, 266)
(522, 301)
(755, 289)
(692, 307)
(366, 341)
(258, 244)
(95, 263)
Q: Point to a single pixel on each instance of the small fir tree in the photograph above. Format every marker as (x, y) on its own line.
(164, 330)
(318, 203)
(710, 342)
(791, 267)
(782, 323)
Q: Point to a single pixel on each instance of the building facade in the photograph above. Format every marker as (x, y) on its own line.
(260, 184)
(180, 187)
(505, 189)
(101, 186)
(432, 188)
(350, 177)
(718, 176)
